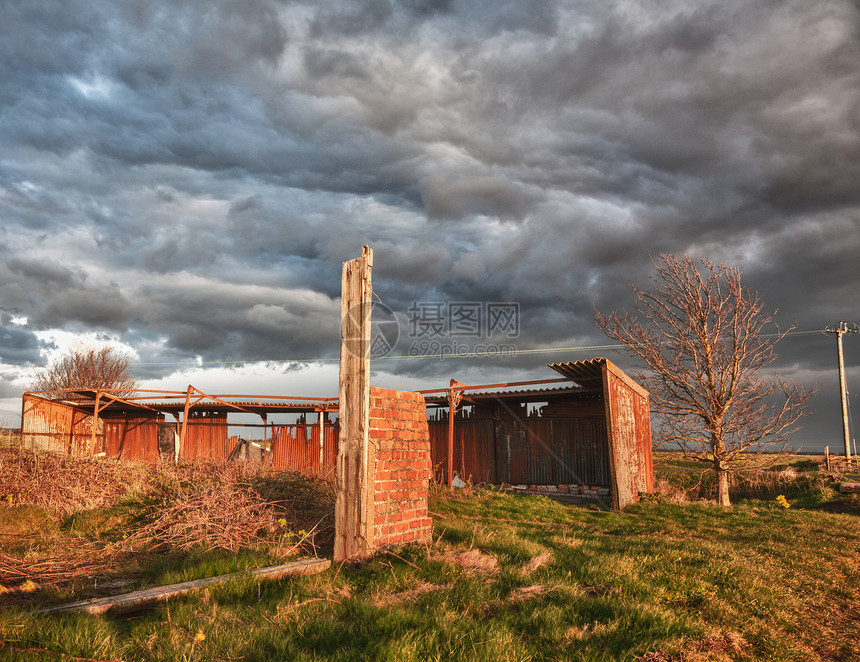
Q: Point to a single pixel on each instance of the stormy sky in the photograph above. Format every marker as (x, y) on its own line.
(184, 180)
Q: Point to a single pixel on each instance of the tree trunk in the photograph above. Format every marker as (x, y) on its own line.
(722, 486)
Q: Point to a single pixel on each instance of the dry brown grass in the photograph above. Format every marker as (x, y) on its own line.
(718, 648)
(225, 517)
(410, 594)
(528, 592)
(536, 562)
(39, 571)
(64, 484)
(171, 509)
(472, 560)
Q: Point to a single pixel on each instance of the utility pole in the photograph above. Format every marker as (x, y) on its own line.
(839, 330)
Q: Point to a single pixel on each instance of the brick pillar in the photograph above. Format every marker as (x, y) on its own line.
(402, 468)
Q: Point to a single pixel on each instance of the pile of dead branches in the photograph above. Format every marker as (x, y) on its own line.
(22, 575)
(64, 484)
(236, 507)
(226, 516)
(201, 505)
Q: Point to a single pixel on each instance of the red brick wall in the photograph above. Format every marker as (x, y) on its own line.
(400, 441)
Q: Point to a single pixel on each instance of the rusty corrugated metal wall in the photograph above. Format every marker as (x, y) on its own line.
(474, 447)
(134, 439)
(627, 411)
(57, 427)
(506, 445)
(205, 437)
(297, 447)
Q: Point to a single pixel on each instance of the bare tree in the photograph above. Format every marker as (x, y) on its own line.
(87, 367)
(699, 334)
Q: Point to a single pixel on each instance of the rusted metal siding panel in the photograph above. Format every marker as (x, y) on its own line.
(133, 439)
(297, 447)
(81, 437)
(438, 431)
(474, 450)
(57, 427)
(531, 450)
(331, 436)
(644, 443)
(581, 444)
(474, 447)
(554, 451)
(205, 437)
(45, 425)
(629, 427)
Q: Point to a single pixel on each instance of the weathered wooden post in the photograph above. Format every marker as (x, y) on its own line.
(453, 402)
(94, 431)
(354, 506)
(321, 419)
(185, 412)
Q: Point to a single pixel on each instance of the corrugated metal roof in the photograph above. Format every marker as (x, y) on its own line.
(86, 401)
(528, 394)
(580, 371)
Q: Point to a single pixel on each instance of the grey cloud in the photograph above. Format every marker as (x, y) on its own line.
(18, 346)
(456, 197)
(191, 177)
(224, 320)
(47, 274)
(101, 306)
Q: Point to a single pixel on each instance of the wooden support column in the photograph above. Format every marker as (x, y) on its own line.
(453, 402)
(184, 421)
(95, 424)
(354, 505)
(322, 419)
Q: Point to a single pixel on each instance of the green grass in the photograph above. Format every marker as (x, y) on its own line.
(758, 582)
(507, 577)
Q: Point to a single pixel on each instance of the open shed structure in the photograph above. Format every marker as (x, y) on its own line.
(137, 428)
(590, 436)
(585, 433)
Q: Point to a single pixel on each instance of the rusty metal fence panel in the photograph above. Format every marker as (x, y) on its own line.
(205, 437)
(553, 451)
(529, 450)
(297, 447)
(134, 439)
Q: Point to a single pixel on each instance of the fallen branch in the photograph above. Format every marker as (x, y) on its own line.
(141, 599)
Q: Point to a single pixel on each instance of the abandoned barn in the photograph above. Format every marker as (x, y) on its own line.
(586, 433)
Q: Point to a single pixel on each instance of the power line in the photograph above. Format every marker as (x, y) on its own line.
(506, 352)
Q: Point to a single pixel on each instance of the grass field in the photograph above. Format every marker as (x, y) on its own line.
(507, 577)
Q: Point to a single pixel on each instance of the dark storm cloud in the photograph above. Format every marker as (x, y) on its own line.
(190, 178)
(18, 346)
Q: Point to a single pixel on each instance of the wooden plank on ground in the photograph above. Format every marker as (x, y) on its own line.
(150, 596)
